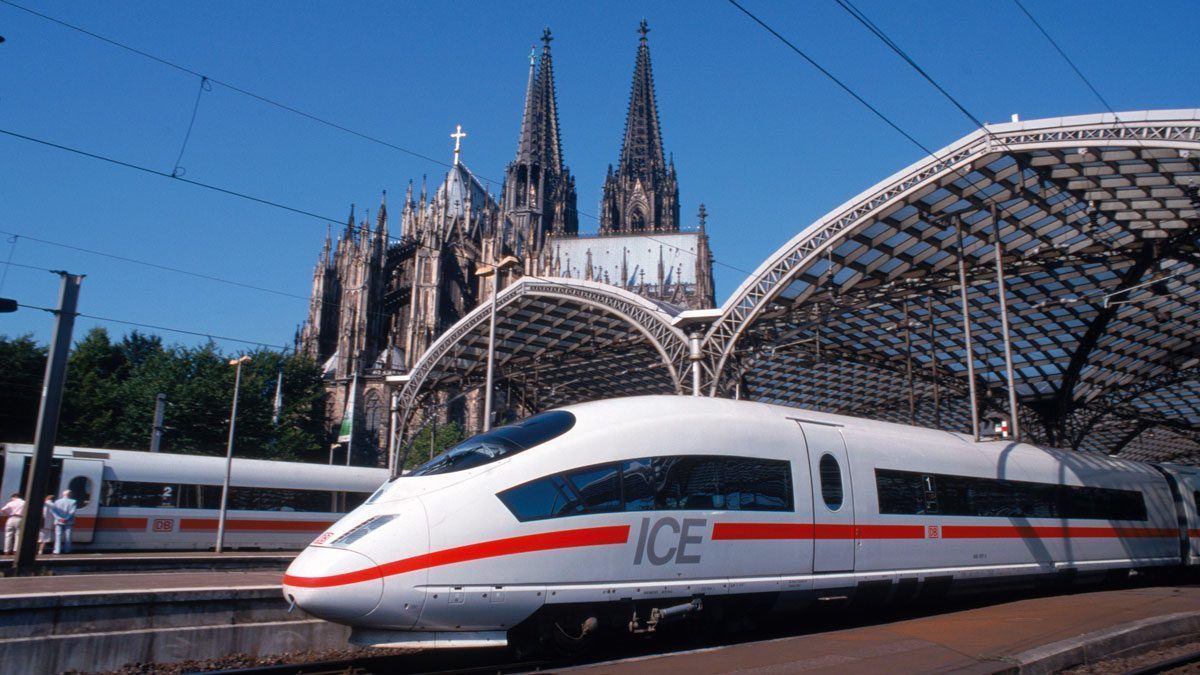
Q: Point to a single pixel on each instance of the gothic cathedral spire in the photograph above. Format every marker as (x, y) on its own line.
(642, 194)
(539, 191)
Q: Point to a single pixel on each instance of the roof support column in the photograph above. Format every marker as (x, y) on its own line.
(968, 346)
(1002, 298)
(908, 367)
(933, 369)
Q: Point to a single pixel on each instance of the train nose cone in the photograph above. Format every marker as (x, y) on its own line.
(333, 583)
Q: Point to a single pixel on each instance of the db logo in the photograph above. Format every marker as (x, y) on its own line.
(163, 525)
(933, 532)
(322, 539)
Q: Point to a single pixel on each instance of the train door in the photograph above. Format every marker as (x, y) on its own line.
(833, 503)
(83, 478)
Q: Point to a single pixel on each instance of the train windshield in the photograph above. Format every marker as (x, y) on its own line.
(498, 443)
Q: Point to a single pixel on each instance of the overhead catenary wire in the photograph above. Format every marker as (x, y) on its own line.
(226, 84)
(204, 79)
(212, 336)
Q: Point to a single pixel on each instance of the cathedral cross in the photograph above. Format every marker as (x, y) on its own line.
(458, 135)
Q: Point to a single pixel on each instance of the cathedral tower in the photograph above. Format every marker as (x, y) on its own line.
(642, 194)
(539, 191)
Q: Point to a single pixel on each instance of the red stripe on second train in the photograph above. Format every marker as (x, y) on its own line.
(546, 541)
(194, 524)
(114, 523)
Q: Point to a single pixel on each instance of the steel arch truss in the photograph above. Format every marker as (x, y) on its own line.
(860, 312)
(558, 341)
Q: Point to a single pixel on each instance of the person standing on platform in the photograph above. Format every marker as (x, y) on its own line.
(64, 519)
(46, 534)
(15, 510)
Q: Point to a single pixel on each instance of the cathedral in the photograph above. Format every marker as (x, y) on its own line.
(381, 296)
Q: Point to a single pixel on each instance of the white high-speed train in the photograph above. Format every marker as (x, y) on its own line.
(130, 500)
(636, 511)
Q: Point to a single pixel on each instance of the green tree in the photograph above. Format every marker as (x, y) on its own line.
(112, 386)
(446, 437)
(92, 399)
(22, 367)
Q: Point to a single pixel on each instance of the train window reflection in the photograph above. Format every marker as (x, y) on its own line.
(499, 442)
(637, 484)
(599, 488)
(671, 483)
(908, 492)
(137, 494)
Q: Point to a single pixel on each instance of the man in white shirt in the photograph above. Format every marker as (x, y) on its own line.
(15, 510)
(64, 519)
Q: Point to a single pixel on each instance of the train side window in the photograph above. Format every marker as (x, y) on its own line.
(543, 498)
(908, 492)
(138, 494)
(1196, 499)
(637, 485)
(831, 482)
(689, 483)
(756, 484)
(599, 488)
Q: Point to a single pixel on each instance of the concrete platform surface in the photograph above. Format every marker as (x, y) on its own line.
(89, 584)
(988, 639)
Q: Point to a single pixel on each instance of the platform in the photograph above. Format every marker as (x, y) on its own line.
(149, 561)
(1032, 635)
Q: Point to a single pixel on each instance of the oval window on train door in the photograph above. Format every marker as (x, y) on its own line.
(831, 482)
(81, 490)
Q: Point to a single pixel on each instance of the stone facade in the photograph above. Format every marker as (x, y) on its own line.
(380, 298)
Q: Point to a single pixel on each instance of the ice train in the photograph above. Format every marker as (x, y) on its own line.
(637, 511)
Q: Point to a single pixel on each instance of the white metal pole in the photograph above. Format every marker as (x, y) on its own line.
(968, 346)
(491, 355)
(393, 430)
(694, 344)
(1008, 362)
(237, 382)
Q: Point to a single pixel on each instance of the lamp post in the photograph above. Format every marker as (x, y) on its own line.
(237, 383)
(507, 262)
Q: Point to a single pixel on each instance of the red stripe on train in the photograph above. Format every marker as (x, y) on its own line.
(545, 541)
(824, 531)
(243, 524)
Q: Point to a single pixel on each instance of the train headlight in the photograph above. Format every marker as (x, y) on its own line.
(363, 529)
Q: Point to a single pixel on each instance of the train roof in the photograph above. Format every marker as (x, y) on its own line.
(931, 440)
(163, 467)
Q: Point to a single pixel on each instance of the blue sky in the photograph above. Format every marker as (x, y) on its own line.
(766, 142)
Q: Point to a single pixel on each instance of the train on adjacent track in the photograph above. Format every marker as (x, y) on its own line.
(634, 512)
(145, 501)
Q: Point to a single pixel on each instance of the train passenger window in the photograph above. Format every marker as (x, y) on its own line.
(637, 485)
(138, 494)
(689, 483)
(547, 497)
(907, 492)
(499, 442)
(599, 488)
(831, 482)
(756, 484)
(671, 483)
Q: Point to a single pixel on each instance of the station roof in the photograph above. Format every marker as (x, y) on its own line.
(860, 312)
